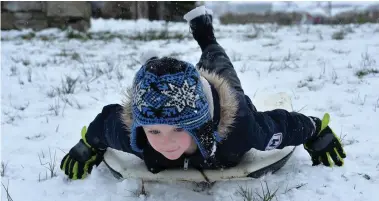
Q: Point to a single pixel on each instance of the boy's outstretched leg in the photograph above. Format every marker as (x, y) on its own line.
(200, 21)
(214, 57)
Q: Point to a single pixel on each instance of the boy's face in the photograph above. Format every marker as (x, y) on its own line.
(168, 140)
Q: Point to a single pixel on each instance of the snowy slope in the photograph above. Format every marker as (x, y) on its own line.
(317, 71)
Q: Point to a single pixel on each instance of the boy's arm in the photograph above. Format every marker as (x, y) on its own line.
(279, 128)
(108, 130)
(263, 131)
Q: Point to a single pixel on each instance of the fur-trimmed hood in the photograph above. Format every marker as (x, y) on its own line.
(227, 98)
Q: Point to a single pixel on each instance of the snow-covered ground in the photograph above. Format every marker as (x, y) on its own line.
(40, 115)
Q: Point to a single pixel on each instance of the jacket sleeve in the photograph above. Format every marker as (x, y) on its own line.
(275, 129)
(263, 131)
(279, 128)
(108, 130)
(267, 130)
(215, 59)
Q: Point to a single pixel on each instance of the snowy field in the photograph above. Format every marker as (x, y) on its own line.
(54, 82)
(312, 7)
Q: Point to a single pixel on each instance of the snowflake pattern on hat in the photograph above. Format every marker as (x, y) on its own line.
(181, 97)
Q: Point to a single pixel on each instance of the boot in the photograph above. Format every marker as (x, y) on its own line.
(200, 22)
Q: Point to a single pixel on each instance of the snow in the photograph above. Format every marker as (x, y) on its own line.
(312, 7)
(198, 11)
(304, 61)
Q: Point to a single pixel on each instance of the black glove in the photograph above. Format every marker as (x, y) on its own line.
(325, 147)
(81, 159)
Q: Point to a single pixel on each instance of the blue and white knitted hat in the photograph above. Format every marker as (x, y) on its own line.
(169, 91)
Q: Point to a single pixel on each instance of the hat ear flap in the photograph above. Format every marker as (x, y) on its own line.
(148, 56)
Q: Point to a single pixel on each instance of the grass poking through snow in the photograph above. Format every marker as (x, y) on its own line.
(364, 72)
(4, 166)
(265, 195)
(9, 198)
(50, 165)
(339, 35)
(68, 85)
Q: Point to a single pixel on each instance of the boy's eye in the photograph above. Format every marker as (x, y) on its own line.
(178, 129)
(154, 132)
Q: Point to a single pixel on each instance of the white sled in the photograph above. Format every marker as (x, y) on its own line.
(255, 163)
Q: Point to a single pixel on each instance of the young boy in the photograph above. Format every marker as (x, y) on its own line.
(178, 115)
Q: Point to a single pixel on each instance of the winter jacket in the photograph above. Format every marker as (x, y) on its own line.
(235, 117)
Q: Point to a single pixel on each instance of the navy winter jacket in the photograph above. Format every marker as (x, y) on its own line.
(235, 115)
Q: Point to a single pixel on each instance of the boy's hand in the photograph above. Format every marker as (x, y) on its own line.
(81, 159)
(325, 147)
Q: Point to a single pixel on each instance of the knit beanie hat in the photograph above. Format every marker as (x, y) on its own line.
(169, 91)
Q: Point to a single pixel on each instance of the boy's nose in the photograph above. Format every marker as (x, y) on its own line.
(166, 138)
